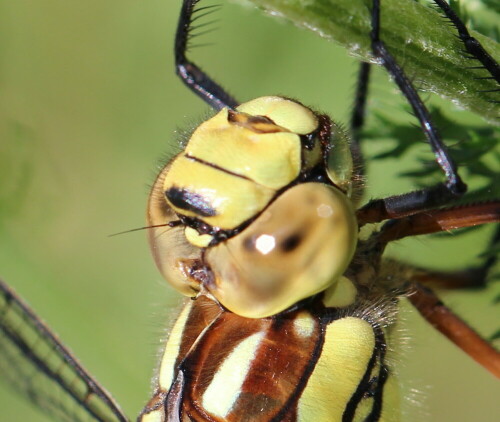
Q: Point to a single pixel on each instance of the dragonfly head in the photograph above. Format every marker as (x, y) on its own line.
(264, 212)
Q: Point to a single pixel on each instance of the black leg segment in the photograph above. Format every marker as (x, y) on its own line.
(193, 76)
(359, 108)
(471, 44)
(410, 203)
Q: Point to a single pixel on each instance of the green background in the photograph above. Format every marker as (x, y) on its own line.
(89, 105)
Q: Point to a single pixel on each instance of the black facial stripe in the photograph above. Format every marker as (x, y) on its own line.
(215, 166)
(190, 201)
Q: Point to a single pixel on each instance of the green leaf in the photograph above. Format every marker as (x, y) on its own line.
(474, 148)
(423, 42)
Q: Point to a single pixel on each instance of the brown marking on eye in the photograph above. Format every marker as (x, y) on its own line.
(249, 243)
(291, 242)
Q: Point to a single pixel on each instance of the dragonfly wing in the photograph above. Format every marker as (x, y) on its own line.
(34, 362)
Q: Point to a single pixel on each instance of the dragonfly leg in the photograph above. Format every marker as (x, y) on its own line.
(454, 328)
(190, 73)
(438, 314)
(359, 106)
(438, 220)
(472, 46)
(398, 206)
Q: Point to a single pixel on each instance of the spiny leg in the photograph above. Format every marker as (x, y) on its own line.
(424, 300)
(358, 116)
(454, 328)
(407, 204)
(359, 107)
(192, 75)
(438, 220)
(471, 44)
(446, 219)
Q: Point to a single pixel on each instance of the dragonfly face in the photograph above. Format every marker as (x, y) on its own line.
(138, 267)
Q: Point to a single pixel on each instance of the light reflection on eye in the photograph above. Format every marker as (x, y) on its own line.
(324, 211)
(265, 243)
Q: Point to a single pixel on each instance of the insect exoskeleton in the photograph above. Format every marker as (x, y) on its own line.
(262, 224)
(253, 219)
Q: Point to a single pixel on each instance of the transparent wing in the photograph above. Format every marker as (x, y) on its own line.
(33, 361)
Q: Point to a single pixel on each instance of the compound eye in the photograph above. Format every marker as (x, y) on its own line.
(175, 257)
(299, 246)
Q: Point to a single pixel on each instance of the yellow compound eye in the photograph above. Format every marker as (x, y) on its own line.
(174, 255)
(300, 245)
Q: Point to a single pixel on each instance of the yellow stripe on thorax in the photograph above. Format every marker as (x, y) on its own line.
(167, 366)
(348, 347)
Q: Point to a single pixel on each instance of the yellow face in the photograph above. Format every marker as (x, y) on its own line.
(254, 210)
